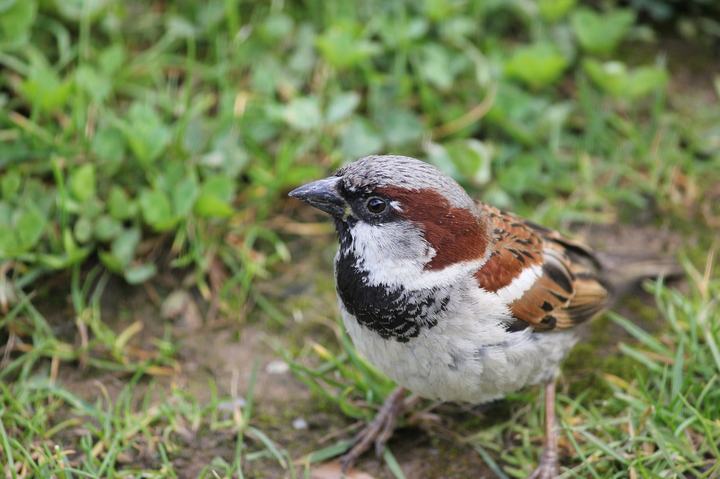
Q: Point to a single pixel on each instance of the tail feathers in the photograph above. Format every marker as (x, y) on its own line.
(625, 272)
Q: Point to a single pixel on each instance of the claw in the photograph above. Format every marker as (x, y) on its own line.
(380, 430)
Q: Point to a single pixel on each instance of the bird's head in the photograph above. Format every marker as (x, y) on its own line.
(399, 216)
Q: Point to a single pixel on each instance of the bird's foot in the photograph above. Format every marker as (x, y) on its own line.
(379, 430)
(549, 467)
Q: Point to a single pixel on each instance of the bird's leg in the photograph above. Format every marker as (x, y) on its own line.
(549, 467)
(379, 430)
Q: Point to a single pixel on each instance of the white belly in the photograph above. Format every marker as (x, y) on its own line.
(467, 357)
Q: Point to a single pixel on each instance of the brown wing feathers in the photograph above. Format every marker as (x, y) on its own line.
(551, 281)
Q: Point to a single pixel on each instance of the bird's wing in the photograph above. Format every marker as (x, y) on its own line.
(549, 282)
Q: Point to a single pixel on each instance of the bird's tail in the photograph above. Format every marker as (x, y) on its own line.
(626, 272)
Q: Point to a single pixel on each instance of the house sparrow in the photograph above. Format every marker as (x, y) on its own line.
(453, 299)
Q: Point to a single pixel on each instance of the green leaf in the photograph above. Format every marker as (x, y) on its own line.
(146, 133)
(82, 182)
(108, 144)
(43, 88)
(400, 126)
(77, 9)
(342, 106)
(472, 158)
(10, 182)
(521, 176)
(210, 206)
(276, 26)
(119, 205)
(303, 114)
(107, 228)
(220, 187)
(155, 207)
(96, 85)
(140, 274)
(16, 22)
(615, 78)
(360, 139)
(601, 33)
(343, 47)
(8, 241)
(123, 247)
(112, 59)
(536, 65)
(83, 229)
(554, 10)
(435, 67)
(112, 262)
(183, 196)
(30, 227)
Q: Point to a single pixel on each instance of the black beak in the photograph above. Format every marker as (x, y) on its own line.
(323, 195)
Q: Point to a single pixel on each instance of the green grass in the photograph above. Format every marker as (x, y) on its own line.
(152, 141)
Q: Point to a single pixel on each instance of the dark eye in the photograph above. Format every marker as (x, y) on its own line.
(376, 205)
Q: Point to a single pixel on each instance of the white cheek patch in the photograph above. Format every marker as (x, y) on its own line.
(395, 254)
(520, 285)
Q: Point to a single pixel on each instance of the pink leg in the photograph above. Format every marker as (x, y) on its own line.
(549, 467)
(379, 430)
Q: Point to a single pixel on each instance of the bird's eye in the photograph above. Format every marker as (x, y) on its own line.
(376, 205)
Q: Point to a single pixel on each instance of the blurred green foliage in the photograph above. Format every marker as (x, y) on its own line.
(128, 125)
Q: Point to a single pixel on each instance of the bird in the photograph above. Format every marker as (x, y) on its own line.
(452, 298)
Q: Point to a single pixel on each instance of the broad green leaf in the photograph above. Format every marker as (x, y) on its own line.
(303, 113)
(10, 182)
(360, 139)
(155, 207)
(554, 10)
(210, 206)
(140, 274)
(601, 33)
(83, 230)
(183, 196)
(6, 213)
(400, 126)
(8, 241)
(146, 133)
(107, 228)
(435, 66)
(77, 9)
(82, 182)
(472, 158)
(220, 187)
(119, 204)
(112, 59)
(30, 227)
(16, 20)
(537, 65)
(276, 26)
(615, 78)
(112, 262)
(123, 247)
(108, 144)
(521, 176)
(96, 85)
(343, 47)
(342, 106)
(43, 87)
(644, 80)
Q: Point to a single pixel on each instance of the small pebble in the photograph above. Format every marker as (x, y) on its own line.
(230, 405)
(277, 366)
(300, 424)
